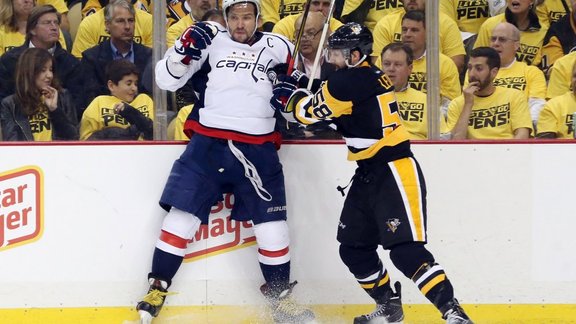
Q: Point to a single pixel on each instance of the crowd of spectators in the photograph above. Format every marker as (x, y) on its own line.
(533, 39)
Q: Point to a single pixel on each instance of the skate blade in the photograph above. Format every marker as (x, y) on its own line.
(145, 317)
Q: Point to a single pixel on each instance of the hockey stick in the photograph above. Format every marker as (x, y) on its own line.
(299, 38)
(321, 45)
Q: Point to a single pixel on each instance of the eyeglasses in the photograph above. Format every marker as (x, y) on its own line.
(502, 39)
(49, 23)
(309, 35)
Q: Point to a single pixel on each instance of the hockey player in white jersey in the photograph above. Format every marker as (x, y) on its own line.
(233, 148)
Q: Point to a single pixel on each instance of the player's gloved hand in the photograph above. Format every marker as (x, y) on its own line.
(276, 70)
(193, 40)
(282, 89)
(282, 68)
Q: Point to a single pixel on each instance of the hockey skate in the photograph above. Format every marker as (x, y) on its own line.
(284, 308)
(152, 303)
(455, 314)
(388, 309)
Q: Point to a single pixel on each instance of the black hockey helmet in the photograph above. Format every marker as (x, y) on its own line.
(352, 36)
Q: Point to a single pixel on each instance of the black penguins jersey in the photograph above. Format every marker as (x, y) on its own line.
(360, 101)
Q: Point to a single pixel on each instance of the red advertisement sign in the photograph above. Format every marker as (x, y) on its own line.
(21, 206)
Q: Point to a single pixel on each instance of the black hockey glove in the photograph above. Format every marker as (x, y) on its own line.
(194, 39)
(282, 89)
(282, 68)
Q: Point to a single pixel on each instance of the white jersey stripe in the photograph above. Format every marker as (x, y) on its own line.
(360, 143)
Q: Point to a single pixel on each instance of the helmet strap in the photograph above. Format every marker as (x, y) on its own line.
(362, 59)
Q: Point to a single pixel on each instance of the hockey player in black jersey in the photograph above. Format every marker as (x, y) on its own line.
(386, 204)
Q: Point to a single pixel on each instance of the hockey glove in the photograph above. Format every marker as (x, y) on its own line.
(290, 112)
(282, 89)
(282, 68)
(193, 40)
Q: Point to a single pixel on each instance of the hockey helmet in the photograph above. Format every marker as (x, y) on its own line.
(229, 3)
(352, 36)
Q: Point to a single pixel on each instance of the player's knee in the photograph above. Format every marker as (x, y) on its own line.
(273, 242)
(177, 229)
(409, 257)
(360, 260)
(181, 223)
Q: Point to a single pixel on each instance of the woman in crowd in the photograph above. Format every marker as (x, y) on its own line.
(39, 110)
(13, 17)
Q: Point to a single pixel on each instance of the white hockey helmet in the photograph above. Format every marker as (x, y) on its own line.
(229, 3)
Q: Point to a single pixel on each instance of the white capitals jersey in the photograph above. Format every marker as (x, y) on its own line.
(231, 82)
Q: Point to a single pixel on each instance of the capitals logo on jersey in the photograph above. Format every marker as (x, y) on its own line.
(239, 61)
(257, 63)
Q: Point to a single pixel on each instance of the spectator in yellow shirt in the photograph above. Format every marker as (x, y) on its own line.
(275, 10)
(556, 119)
(514, 74)
(389, 29)
(468, 14)
(397, 61)
(560, 76)
(560, 38)
(520, 13)
(551, 11)
(90, 7)
(125, 114)
(414, 35)
(485, 111)
(368, 12)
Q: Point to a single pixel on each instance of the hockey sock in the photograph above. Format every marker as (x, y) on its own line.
(165, 265)
(433, 283)
(276, 276)
(376, 284)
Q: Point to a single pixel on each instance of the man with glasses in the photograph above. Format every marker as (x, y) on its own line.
(309, 45)
(43, 31)
(286, 25)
